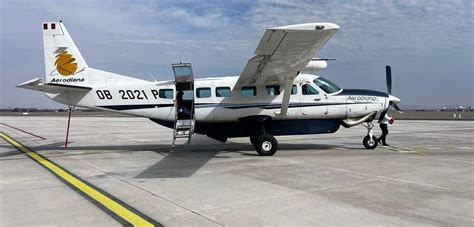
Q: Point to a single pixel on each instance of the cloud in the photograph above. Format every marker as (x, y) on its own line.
(423, 39)
(392, 24)
(208, 20)
(198, 44)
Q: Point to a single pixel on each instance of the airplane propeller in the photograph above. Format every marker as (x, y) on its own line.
(388, 75)
(392, 99)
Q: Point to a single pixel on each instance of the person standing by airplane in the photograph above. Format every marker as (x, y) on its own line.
(184, 111)
(384, 120)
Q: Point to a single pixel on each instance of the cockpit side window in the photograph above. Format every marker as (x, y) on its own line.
(326, 85)
(308, 90)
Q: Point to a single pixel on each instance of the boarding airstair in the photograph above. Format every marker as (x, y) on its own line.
(184, 102)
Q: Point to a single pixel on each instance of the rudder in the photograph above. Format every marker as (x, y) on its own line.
(64, 63)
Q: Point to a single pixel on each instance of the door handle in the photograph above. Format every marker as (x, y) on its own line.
(317, 99)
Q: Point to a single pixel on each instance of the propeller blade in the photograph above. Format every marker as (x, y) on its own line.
(396, 107)
(388, 73)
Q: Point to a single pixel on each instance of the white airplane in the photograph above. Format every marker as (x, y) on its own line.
(272, 95)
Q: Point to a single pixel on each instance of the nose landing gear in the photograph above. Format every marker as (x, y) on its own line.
(369, 141)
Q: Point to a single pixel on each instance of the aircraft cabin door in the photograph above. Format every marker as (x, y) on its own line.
(184, 101)
(314, 102)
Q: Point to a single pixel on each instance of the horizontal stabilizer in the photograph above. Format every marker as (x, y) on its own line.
(52, 88)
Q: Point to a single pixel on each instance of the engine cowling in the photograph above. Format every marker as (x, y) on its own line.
(315, 65)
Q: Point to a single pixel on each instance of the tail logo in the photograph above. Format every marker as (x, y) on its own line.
(65, 63)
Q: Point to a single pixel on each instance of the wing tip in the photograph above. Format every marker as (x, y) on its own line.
(309, 26)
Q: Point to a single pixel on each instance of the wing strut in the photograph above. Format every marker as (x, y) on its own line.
(286, 96)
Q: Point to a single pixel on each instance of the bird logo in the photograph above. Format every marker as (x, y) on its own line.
(65, 63)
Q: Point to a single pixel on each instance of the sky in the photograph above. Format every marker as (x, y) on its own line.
(429, 44)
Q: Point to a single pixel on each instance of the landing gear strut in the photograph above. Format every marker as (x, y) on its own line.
(370, 141)
(265, 144)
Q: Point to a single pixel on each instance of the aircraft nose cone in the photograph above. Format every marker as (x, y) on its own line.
(393, 99)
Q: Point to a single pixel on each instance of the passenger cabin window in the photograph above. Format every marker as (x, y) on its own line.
(272, 90)
(249, 91)
(294, 90)
(309, 90)
(222, 91)
(165, 93)
(203, 92)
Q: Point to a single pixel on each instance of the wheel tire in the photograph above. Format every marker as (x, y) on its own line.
(370, 144)
(253, 140)
(266, 145)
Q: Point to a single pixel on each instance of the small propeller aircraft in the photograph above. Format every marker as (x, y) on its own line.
(272, 96)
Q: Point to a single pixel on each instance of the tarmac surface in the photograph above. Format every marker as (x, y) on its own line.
(426, 178)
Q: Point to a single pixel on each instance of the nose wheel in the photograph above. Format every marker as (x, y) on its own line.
(370, 141)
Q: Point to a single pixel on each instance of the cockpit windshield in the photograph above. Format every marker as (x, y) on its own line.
(327, 86)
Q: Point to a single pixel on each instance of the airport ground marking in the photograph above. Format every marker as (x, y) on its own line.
(120, 211)
(21, 130)
(400, 150)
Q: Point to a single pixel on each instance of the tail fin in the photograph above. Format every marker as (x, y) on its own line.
(63, 62)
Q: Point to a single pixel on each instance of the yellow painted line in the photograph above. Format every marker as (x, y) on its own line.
(112, 205)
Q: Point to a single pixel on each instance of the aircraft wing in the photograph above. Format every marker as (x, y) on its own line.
(37, 85)
(284, 51)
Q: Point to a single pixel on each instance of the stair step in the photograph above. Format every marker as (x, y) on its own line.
(182, 132)
(187, 121)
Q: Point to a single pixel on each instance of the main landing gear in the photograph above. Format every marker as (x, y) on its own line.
(369, 141)
(265, 145)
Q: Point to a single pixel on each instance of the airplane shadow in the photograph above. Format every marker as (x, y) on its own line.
(179, 161)
(35, 148)
(183, 162)
(10, 153)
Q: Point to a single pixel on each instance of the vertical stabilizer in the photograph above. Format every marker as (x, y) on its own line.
(64, 63)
